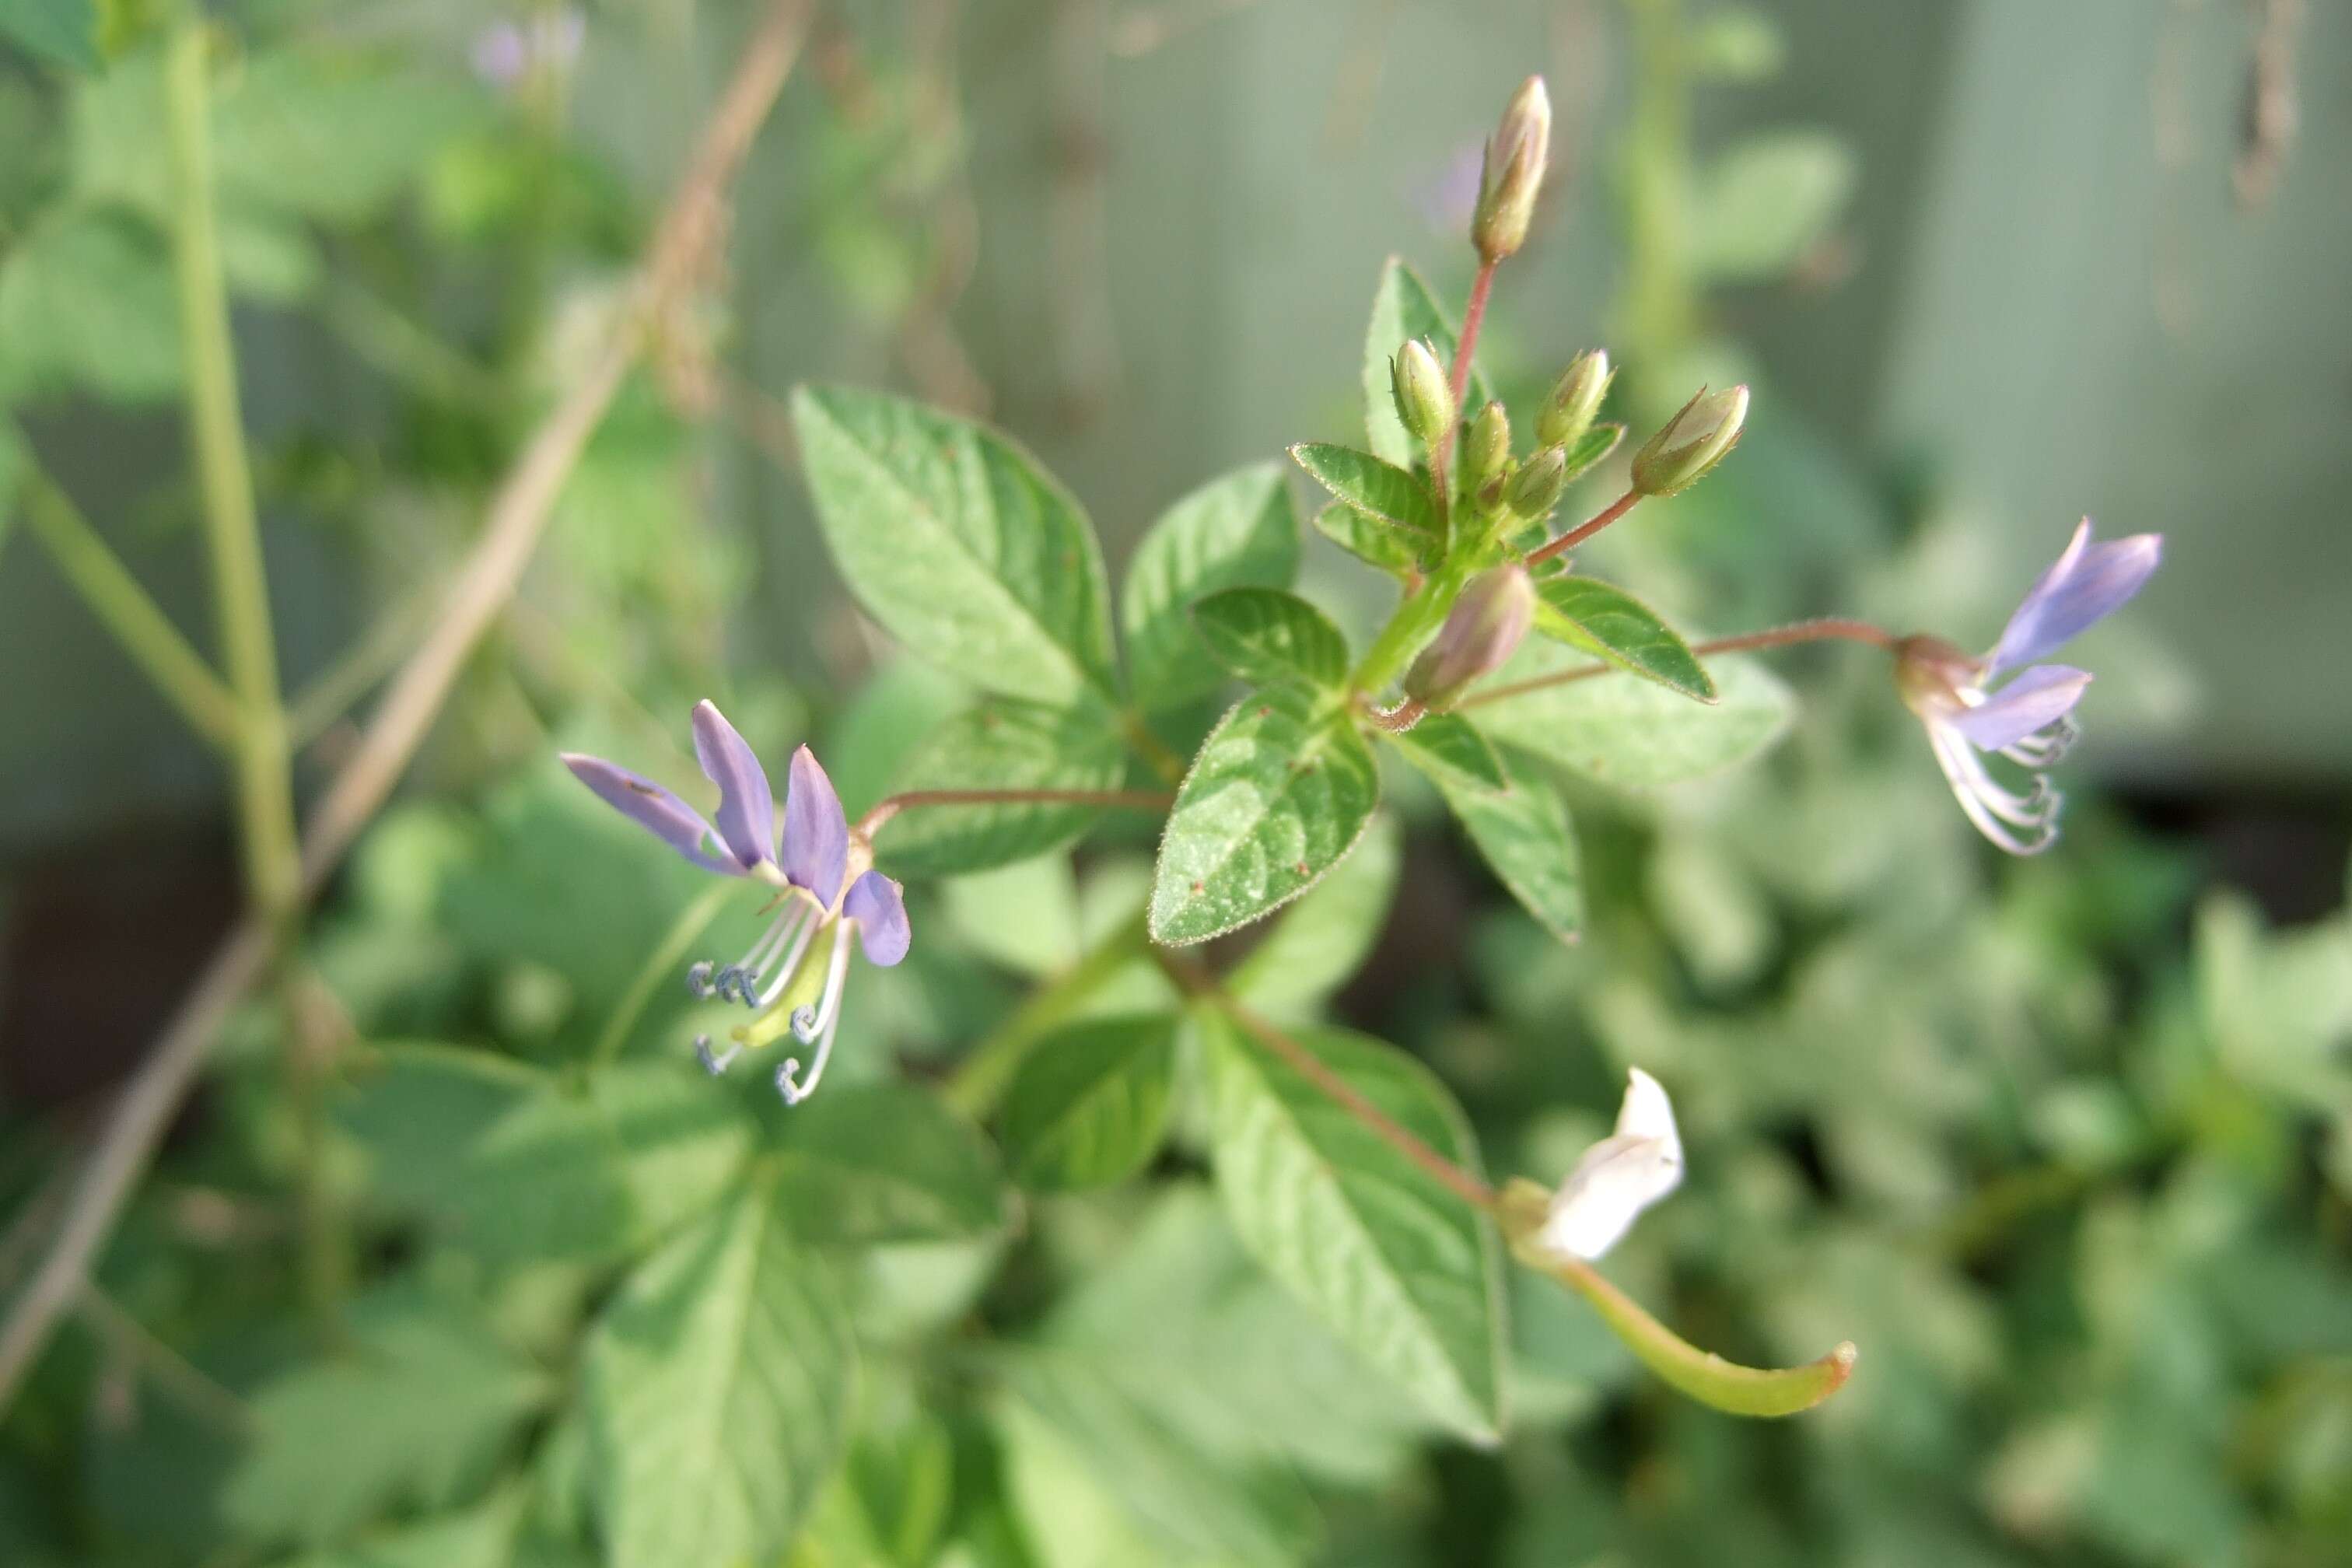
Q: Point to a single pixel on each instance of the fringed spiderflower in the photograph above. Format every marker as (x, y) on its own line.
(827, 889)
(2026, 720)
(1618, 1178)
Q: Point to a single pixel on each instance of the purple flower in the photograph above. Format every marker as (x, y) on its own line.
(2028, 720)
(823, 871)
(506, 52)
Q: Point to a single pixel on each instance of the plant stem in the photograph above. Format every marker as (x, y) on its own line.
(665, 957)
(233, 532)
(138, 625)
(987, 1069)
(909, 800)
(1199, 984)
(1703, 1375)
(1417, 619)
(1826, 629)
(1474, 318)
(200, 1395)
(1584, 530)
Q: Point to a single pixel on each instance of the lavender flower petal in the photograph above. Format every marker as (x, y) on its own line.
(652, 807)
(879, 907)
(2039, 698)
(2086, 584)
(816, 833)
(747, 808)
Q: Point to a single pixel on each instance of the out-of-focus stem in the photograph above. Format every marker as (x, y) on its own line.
(141, 629)
(985, 1072)
(1828, 628)
(890, 807)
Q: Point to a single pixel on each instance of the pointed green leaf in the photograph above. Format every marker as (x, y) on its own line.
(1609, 623)
(1267, 637)
(1378, 488)
(1591, 448)
(1002, 745)
(1451, 751)
(1408, 1274)
(1402, 309)
(1237, 531)
(1281, 790)
(719, 1387)
(1374, 543)
(1323, 939)
(875, 1162)
(1090, 1104)
(959, 541)
(1521, 830)
(1632, 733)
(62, 32)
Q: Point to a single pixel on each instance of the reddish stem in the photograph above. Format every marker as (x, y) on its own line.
(1582, 531)
(1826, 629)
(1474, 317)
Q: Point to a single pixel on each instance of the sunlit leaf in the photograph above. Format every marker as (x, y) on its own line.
(1378, 488)
(1324, 938)
(1636, 733)
(961, 544)
(1606, 621)
(870, 1162)
(1090, 1104)
(1001, 745)
(1407, 1273)
(1279, 793)
(1266, 636)
(1239, 530)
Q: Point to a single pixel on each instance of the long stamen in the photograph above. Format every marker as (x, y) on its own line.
(1971, 785)
(714, 1063)
(792, 962)
(808, 1023)
(737, 979)
(787, 1085)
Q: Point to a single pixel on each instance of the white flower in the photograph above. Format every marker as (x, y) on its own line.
(1618, 1178)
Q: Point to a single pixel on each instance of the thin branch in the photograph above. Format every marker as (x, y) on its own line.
(1829, 628)
(518, 515)
(1582, 531)
(139, 628)
(172, 1371)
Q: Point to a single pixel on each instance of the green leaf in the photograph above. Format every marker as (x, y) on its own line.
(719, 1387)
(417, 1414)
(1521, 830)
(517, 1164)
(62, 32)
(1767, 201)
(875, 1162)
(1591, 448)
(1076, 1432)
(1632, 733)
(85, 304)
(1237, 531)
(1281, 790)
(961, 544)
(1403, 309)
(1090, 1104)
(1324, 937)
(480, 1537)
(1378, 488)
(1001, 744)
(1451, 751)
(1374, 544)
(1267, 637)
(1609, 623)
(1408, 1274)
(14, 462)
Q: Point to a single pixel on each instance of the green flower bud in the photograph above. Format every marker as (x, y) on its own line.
(1513, 174)
(1535, 488)
(1567, 413)
(1423, 399)
(1693, 442)
(1486, 449)
(1485, 628)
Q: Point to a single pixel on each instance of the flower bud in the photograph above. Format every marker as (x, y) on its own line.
(1692, 442)
(1567, 413)
(1486, 449)
(1485, 627)
(1535, 488)
(1930, 674)
(1514, 172)
(1423, 399)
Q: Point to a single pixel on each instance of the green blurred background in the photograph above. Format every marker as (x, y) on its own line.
(2066, 1145)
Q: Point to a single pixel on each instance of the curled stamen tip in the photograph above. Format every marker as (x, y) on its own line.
(710, 1063)
(803, 1023)
(698, 979)
(793, 1092)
